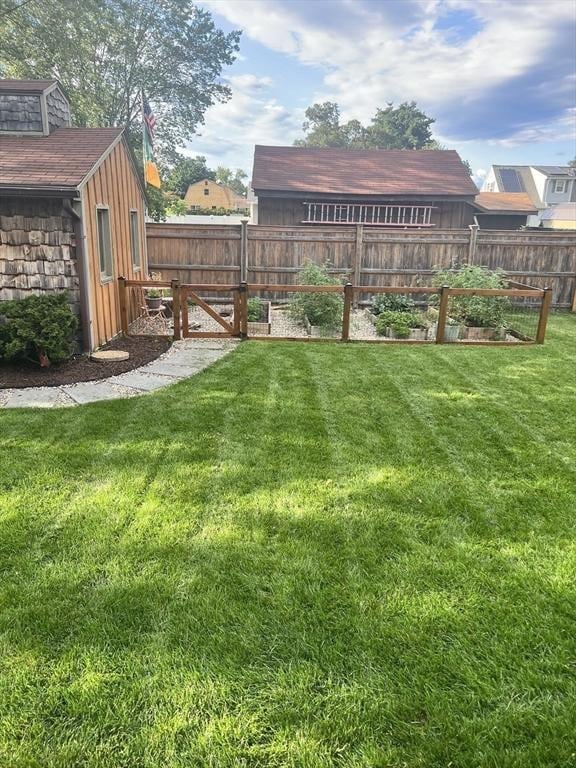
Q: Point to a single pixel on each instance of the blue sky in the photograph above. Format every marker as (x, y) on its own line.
(499, 76)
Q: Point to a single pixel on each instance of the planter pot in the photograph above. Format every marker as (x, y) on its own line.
(474, 333)
(451, 332)
(263, 326)
(418, 334)
(153, 302)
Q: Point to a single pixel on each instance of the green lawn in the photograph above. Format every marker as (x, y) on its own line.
(309, 555)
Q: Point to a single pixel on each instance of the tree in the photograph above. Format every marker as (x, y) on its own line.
(572, 163)
(104, 52)
(185, 172)
(233, 179)
(402, 127)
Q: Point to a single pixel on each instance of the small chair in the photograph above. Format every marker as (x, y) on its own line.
(151, 321)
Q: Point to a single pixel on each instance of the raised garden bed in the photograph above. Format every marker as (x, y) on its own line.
(263, 325)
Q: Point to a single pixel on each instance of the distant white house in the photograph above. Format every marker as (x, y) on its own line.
(546, 185)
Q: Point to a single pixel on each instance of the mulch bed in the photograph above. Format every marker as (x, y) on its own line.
(81, 368)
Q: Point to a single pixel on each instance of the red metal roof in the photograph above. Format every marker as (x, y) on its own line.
(60, 160)
(26, 86)
(361, 171)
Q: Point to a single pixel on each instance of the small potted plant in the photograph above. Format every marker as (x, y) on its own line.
(153, 298)
(259, 317)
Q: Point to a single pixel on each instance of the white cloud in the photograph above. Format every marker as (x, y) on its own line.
(252, 116)
(378, 52)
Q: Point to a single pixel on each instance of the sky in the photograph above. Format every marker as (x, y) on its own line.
(498, 76)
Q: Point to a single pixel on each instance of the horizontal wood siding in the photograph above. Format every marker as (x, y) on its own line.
(114, 185)
(212, 254)
(287, 211)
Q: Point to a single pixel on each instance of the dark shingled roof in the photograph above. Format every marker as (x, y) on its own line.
(26, 86)
(59, 161)
(361, 171)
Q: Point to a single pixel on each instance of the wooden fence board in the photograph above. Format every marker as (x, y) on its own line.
(212, 254)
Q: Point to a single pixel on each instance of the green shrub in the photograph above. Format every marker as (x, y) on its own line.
(395, 302)
(322, 309)
(482, 311)
(38, 328)
(254, 309)
(399, 322)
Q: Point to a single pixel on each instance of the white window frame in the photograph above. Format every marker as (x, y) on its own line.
(135, 250)
(557, 183)
(106, 273)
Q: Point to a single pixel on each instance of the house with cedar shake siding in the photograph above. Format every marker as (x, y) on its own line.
(72, 207)
(396, 189)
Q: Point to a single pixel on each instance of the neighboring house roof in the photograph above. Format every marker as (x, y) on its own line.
(517, 178)
(60, 161)
(555, 170)
(505, 203)
(560, 212)
(361, 171)
(27, 86)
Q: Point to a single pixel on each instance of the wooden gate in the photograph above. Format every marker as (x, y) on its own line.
(190, 294)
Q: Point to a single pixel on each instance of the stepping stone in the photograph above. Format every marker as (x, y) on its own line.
(34, 397)
(93, 391)
(110, 356)
(146, 382)
(169, 368)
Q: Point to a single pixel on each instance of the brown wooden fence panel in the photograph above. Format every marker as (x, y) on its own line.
(195, 253)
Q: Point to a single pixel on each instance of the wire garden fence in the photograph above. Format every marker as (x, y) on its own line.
(516, 314)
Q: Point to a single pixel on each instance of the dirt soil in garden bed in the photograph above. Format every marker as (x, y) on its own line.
(81, 368)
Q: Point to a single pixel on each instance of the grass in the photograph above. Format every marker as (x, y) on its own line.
(308, 555)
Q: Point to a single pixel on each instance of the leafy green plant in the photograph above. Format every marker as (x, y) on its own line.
(481, 311)
(401, 323)
(396, 302)
(37, 328)
(153, 293)
(322, 309)
(254, 309)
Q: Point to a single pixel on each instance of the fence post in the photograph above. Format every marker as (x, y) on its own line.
(184, 329)
(244, 250)
(348, 299)
(122, 295)
(574, 295)
(472, 245)
(243, 301)
(358, 252)
(442, 314)
(544, 312)
(175, 286)
(236, 313)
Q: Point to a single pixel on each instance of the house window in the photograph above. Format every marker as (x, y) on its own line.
(560, 186)
(135, 240)
(104, 244)
(206, 191)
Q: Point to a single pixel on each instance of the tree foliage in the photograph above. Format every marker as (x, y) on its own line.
(233, 179)
(402, 127)
(186, 171)
(104, 52)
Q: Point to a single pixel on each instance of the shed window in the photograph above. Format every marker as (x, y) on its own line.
(104, 243)
(560, 186)
(206, 191)
(135, 239)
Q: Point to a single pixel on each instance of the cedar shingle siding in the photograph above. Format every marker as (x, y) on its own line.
(20, 113)
(37, 253)
(57, 109)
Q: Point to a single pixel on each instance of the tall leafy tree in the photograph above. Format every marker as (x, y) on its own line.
(402, 127)
(105, 51)
(233, 179)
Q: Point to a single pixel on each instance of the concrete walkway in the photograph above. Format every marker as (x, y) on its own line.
(182, 360)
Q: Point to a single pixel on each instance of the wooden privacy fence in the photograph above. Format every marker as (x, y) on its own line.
(224, 254)
(182, 294)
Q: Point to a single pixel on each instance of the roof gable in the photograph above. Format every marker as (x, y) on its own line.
(361, 172)
(27, 86)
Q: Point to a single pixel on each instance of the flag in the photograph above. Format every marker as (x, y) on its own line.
(151, 174)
